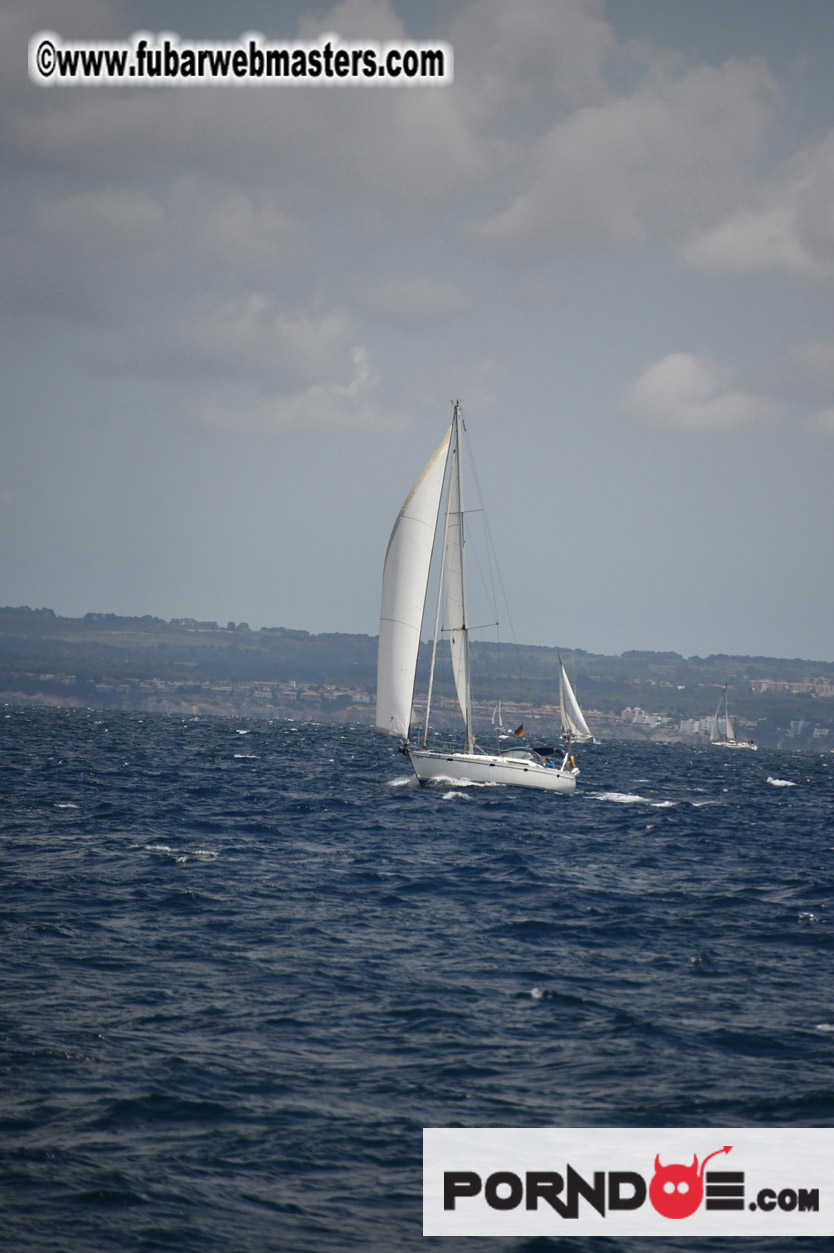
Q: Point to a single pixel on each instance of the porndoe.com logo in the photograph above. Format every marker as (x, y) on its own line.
(619, 1181)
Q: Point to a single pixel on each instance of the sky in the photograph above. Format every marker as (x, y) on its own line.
(234, 319)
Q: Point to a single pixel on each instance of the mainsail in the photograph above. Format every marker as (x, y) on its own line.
(574, 726)
(404, 582)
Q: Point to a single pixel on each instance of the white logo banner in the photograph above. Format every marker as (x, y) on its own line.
(615, 1181)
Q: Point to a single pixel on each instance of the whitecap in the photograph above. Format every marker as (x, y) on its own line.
(246, 756)
(65, 805)
(620, 798)
(455, 796)
(780, 782)
(825, 1026)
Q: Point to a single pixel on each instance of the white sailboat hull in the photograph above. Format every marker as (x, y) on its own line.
(733, 744)
(489, 768)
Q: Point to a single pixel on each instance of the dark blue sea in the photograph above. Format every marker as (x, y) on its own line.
(244, 963)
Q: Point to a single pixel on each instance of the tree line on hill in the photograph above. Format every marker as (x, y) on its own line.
(101, 646)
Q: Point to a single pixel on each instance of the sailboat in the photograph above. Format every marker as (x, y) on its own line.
(574, 727)
(498, 723)
(722, 732)
(404, 591)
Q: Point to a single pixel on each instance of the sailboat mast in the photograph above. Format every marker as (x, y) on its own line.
(467, 702)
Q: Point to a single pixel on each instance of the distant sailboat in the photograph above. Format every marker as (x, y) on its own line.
(722, 732)
(404, 590)
(574, 727)
(498, 723)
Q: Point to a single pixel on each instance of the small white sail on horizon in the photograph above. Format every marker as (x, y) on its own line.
(404, 590)
(498, 722)
(574, 727)
(722, 733)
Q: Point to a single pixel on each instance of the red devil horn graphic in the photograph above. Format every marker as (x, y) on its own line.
(657, 1165)
(725, 1149)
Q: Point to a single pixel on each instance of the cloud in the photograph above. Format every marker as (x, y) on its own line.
(516, 60)
(208, 244)
(377, 150)
(815, 359)
(343, 405)
(130, 257)
(786, 227)
(415, 301)
(19, 19)
(250, 338)
(113, 218)
(250, 335)
(239, 233)
(802, 376)
(685, 392)
(657, 163)
(823, 422)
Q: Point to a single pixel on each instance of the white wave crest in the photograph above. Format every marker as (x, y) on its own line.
(620, 798)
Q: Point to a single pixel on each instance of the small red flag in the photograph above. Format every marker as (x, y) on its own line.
(520, 730)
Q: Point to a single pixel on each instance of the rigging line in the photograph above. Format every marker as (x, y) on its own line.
(495, 572)
(494, 567)
(482, 626)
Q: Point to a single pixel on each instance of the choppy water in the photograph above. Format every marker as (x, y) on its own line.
(245, 963)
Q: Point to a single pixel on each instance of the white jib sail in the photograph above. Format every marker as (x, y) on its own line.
(404, 581)
(455, 600)
(573, 719)
(729, 730)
